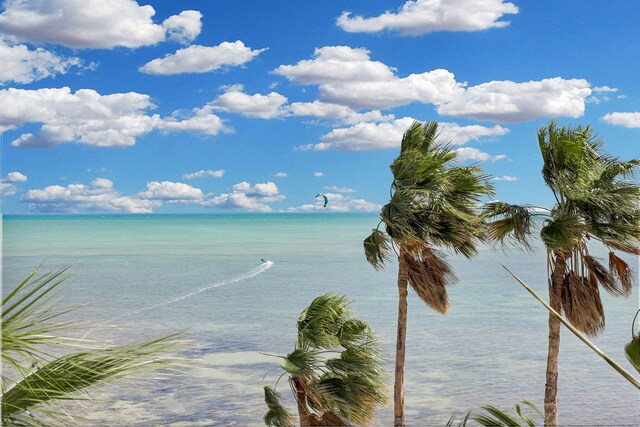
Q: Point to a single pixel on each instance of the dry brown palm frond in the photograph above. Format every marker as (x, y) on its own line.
(621, 271)
(581, 303)
(429, 275)
(603, 276)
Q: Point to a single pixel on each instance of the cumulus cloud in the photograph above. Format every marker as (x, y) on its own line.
(245, 196)
(426, 16)
(318, 174)
(505, 178)
(281, 175)
(510, 102)
(203, 174)
(202, 120)
(8, 184)
(337, 203)
(87, 117)
(336, 64)
(22, 65)
(184, 27)
(630, 120)
(367, 136)
(93, 23)
(100, 195)
(171, 191)
(202, 59)
(348, 77)
(234, 100)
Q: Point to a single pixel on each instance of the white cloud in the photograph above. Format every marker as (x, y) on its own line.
(87, 117)
(470, 153)
(201, 121)
(246, 197)
(318, 174)
(327, 111)
(367, 136)
(337, 203)
(234, 100)
(340, 189)
(184, 27)
(281, 175)
(171, 191)
(92, 23)
(510, 102)
(22, 65)
(204, 173)
(425, 16)
(202, 59)
(100, 195)
(505, 178)
(7, 184)
(630, 120)
(605, 89)
(336, 64)
(347, 77)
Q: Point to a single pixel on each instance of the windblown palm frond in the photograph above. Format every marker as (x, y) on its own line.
(336, 370)
(509, 221)
(377, 249)
(33, 381)
(499, 418)
(429, 276)
(277, 415)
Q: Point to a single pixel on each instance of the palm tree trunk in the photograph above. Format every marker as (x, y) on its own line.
(398, 390)
(301, 397)
(555, 301)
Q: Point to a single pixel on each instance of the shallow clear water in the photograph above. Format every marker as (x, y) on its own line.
(154, 274)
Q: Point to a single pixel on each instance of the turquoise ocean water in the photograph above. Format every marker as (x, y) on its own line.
(144, 275)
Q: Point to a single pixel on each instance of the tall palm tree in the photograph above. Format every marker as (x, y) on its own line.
(336, 372)
(595, 199)
(36, 384)
(433, 204)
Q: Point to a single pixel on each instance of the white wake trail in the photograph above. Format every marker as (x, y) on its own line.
(252, 273)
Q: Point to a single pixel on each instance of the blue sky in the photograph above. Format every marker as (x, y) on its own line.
(253, 106)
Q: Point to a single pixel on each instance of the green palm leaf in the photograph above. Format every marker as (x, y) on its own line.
(277, 415)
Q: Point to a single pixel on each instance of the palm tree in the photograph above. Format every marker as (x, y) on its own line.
(595, 199)
(335, 372)
(34, 383)
(433, 204)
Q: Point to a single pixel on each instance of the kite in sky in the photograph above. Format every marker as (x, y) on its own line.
(325, 199)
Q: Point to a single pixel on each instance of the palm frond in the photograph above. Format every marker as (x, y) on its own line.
(621, 272)
(301, 363)
(429, 276)
(582, 305)
(62, 377)
(377, 249)
(412, 138)
(606, 278)
(277, 415)
(320, 323)
(562, 233)
(508, 221)
(499, 418)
